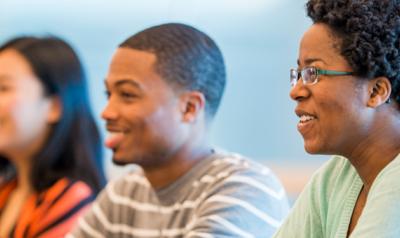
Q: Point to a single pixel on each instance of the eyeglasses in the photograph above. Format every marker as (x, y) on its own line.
(309, 75)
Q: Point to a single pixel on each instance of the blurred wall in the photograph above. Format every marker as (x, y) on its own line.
(259, 39)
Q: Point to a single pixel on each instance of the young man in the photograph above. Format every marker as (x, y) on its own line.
(164, 87)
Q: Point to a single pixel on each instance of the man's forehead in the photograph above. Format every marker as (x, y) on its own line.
(132, 65)
(126, 61)
(126, 58)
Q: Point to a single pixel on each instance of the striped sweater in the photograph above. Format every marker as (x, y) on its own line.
(51, 213)
(224, 195)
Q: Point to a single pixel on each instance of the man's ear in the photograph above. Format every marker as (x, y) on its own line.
(379, 91)
(192, 105)
(55, 110)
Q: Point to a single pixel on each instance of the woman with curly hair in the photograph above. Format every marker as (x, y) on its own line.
(50, 149)
(347, 89)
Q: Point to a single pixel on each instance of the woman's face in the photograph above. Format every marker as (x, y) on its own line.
(25, 113)
(333, 114)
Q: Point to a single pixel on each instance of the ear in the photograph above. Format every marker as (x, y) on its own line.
(55, 110)
(379, 91)
(192, 105)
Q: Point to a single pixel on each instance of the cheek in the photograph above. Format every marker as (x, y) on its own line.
(14, 120)
(7, 104)
(334, 109)
(162, 124)
(331, 109)
(338, 116)
(10, 110)
(156, 124)
(30, 115)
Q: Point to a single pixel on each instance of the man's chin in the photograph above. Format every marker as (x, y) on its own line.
(119, 161)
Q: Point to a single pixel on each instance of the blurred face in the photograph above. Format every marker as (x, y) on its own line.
(24, 110)
(143, 112)
(333, 117)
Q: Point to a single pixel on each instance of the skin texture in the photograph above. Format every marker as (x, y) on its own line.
(24, 110)
(151, 124)
(337, 102)
(25, 119)
(349, 113)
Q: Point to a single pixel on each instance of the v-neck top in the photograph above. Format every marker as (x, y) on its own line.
(325, 207)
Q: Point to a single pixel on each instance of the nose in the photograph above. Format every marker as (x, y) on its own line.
(299, 91)
(109, 112)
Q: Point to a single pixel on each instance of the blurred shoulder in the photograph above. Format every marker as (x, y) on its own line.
(241, 169)
(128, 183)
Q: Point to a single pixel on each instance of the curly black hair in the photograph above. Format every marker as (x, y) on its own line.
(186, 58)
(369, 35)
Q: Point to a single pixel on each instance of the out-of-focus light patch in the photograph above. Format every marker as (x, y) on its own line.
(208, 5)
(108, 8)
(241, 6)
(167, 9)
(225, 7)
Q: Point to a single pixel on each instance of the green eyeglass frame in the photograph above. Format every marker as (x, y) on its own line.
(309, 75)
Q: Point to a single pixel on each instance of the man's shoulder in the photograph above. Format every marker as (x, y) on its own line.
(237, 163)
(129, 181)
(243, 171)
(241, 180)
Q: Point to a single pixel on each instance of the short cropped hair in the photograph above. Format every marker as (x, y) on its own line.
(186, 58)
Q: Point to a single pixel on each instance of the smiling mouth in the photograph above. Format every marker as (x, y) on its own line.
(114, 138)
(306, 118)
(306, 123)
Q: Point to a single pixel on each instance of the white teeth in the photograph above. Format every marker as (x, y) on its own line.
(112, 133)
(306, 118)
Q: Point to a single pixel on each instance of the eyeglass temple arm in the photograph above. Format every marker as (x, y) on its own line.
(332, 72)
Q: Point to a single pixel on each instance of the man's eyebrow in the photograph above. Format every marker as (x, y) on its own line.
(124, 81)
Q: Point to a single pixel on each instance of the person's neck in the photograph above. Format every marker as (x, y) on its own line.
(16, 199)
(23, 166)
(23, 169)
(178, 165)
(374, 153)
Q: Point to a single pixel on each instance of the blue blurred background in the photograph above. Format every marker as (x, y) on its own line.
(259, 39)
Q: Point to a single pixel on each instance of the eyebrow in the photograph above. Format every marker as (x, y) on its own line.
(121, 82)
(310, 61)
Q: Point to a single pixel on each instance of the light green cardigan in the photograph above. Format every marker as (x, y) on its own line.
(324, 208)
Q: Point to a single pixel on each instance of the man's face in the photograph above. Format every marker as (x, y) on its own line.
(143, 115)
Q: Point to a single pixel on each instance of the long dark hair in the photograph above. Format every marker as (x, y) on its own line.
(73, 148)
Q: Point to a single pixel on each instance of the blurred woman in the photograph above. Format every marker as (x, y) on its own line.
(50, 150)
(347, 89)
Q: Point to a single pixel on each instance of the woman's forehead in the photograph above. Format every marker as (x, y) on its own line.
(318, 46)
